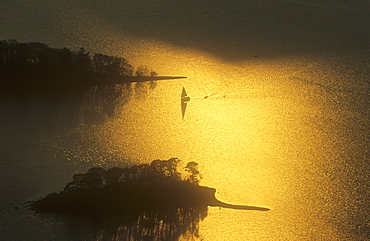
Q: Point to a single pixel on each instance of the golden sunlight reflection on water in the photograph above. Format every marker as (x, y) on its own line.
(261, 137)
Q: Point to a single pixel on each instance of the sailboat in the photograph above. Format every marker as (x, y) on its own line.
(184, 101)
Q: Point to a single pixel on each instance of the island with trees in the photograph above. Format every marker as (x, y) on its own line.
(162, 184)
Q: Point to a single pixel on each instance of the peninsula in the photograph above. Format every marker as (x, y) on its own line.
(37, 68)
(155, 186)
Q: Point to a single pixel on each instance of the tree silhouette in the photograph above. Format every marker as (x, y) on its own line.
(37, 54)
(105, 64)
(192, 168)
(143, 70)
(83, 61)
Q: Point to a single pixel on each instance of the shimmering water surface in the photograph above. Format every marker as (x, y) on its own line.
(273, 125)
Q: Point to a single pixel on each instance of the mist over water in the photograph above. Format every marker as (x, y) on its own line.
(284, 124)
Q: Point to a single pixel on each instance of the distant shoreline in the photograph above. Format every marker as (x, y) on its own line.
(101, 79)
(36, 69)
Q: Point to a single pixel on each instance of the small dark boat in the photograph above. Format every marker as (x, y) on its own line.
(184, 101)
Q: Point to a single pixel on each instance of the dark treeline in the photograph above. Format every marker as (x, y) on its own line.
(39, 68)
(40, 55)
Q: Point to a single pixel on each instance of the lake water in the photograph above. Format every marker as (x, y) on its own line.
(281, 142)
(278, 117)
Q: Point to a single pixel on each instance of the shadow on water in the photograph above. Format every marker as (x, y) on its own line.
(157, 201)
(91, 105)
(99, 102)
(170, 224)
